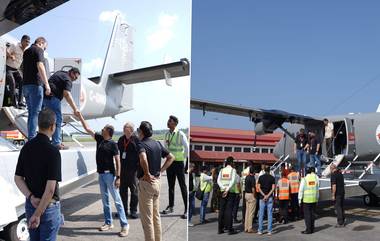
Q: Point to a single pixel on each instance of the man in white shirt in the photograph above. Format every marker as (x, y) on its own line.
(329, 134)
(14, 60)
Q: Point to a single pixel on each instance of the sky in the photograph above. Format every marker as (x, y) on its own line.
(316, 58)
(82, 28)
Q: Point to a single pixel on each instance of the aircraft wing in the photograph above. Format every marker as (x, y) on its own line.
(266, 120)
(164, 71)
(14, 13)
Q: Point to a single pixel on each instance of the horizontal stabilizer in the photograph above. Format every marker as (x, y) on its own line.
(164, 71)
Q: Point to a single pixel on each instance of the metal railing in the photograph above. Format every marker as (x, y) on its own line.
(370, 165)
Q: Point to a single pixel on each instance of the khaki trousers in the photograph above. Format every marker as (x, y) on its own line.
(149, 204)
(249, 211)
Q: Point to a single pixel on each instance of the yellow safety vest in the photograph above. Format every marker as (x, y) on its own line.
(226, 178)
(205, 186)
(294, 179)
(174, 144)
(310, 189)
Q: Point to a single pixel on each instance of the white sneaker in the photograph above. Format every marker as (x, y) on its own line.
(124, 231)
(269, 233)
(260, 233)
(106, 227)
(190, 224)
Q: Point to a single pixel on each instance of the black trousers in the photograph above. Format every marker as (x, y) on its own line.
(225, 211)
(329, 147)
(339, 208)
(14, 80)
(176, 169)
(294, 206)
(214, 204)
(283, 206)
(235, 207)
(309, 216)
(128, 180)
(257, 207)
(244, 206)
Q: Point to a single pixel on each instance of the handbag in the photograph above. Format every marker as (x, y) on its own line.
(200, 193)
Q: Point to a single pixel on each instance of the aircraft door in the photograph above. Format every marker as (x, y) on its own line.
(65, 64)
(350, 130)
(2, 71)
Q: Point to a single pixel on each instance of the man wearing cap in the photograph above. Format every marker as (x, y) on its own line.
(15, 54)
(149, 171)
(61, 84)
(308, 195)
(177, 144)
(337, 192)
(107, 154)
(227, 185)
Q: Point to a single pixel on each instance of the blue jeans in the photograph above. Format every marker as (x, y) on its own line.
(106, 183)
(54, 104)
(191, 205)
(301, 158)
(50, 222)
(269, 205)
(316, 162)
(34, 95)
(202, 211)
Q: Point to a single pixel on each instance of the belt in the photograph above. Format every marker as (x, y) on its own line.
(107, 171)
(53, 202)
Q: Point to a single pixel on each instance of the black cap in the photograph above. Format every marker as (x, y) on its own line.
(74, 70)
(229, 160)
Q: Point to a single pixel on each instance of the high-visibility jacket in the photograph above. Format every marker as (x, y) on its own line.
(205, 186)
(235, 187)
(244, 175)
(226, 178)
(174, 144)
(283, 187)
(294, 179)
(310, 189)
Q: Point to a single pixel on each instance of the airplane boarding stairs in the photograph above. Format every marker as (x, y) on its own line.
(358, 182)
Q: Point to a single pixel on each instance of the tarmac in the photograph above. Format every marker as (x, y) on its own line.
(83, 213)
(363, 223)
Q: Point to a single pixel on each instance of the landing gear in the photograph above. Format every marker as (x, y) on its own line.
(17, 231)
(370, 200)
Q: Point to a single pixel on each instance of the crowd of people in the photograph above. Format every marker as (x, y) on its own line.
(283, 199)
(133, 163)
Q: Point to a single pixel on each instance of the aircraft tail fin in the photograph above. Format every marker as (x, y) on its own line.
(119, 56)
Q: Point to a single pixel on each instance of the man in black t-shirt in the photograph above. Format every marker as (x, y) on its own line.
(60, 84)
(129, 161)
(266, 186)
(299, 150)
(337, 189)
(250, 199)
(34, 76)
(314, 147)
(37, 177)
(109, 177)
(149, 171)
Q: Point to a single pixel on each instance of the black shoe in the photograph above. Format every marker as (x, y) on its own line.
(232, 231)
(237, 221)
(167, 210)
(21, 105)
(306, 232)
(184, 215)
(220, 231)
(134, 215)
(339, 226)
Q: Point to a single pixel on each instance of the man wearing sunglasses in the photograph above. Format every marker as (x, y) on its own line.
(61, 84)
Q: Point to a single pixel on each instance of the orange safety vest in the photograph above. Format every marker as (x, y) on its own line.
(294, 180)
(283, 189)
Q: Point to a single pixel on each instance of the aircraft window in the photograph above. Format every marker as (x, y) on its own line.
(198, 147)
(264, 150)
(247, 149)
(228, 148)
(208, 148)
(237, 149)
(218, 148)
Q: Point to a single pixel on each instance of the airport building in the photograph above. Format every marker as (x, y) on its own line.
(211, 146)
